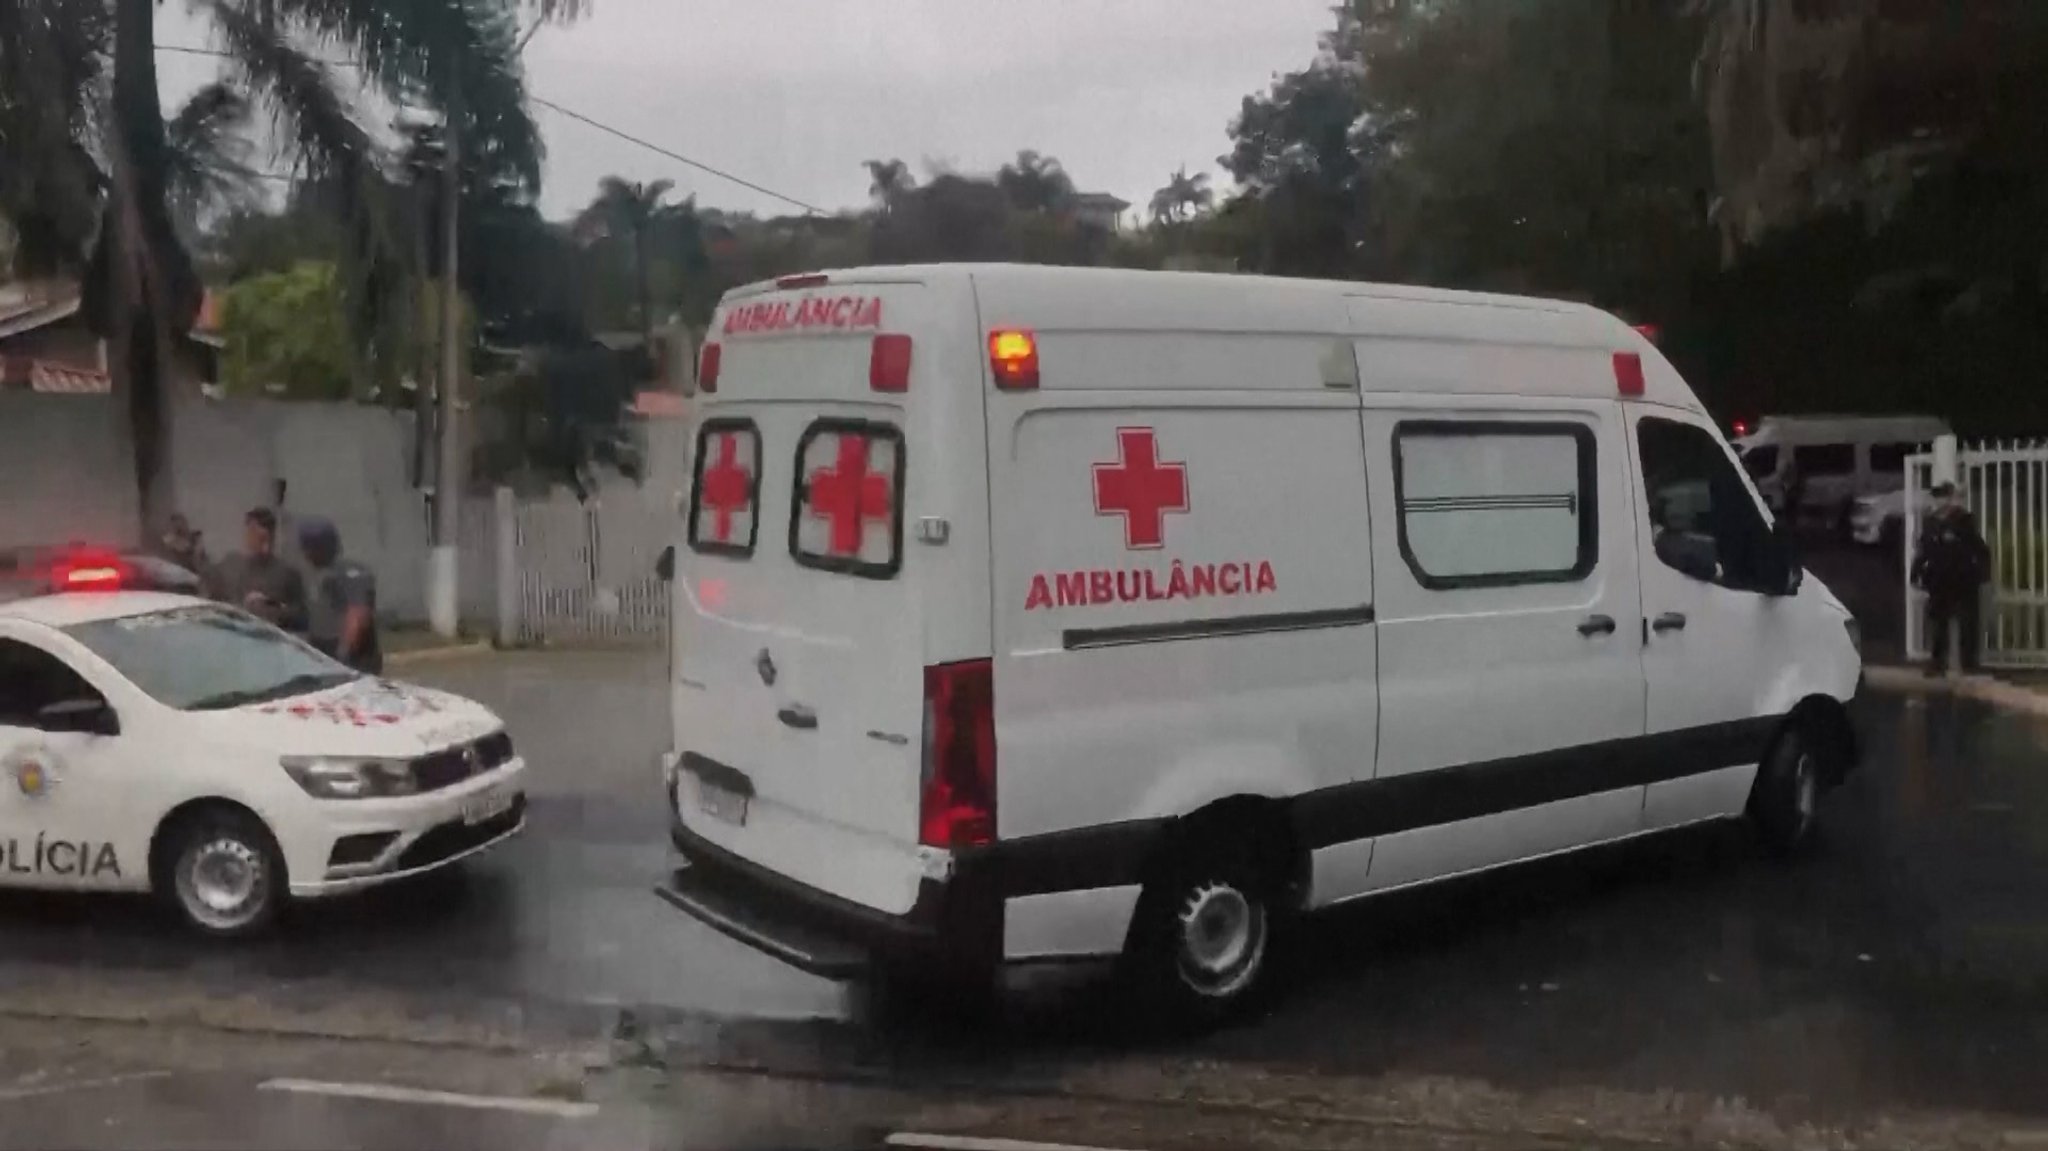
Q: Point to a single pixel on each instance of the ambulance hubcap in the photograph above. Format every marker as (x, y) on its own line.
(223, 882)
(1805, 791)
(1223, 939)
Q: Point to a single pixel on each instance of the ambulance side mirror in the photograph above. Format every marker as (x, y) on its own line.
(81, 716)
(1787, 570)
(665, 567)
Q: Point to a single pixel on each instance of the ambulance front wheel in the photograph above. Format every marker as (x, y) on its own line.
(1203, 940)
(219, 868)
(1785, 802)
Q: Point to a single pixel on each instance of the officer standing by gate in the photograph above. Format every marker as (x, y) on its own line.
(1951, 564)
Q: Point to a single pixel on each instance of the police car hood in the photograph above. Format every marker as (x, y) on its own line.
(368, 717)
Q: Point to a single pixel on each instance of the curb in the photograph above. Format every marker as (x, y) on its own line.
(436, 654)
(1982, 688)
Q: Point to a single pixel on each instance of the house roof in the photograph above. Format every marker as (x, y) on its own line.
(1103, 200)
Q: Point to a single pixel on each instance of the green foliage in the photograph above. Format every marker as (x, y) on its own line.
(287, 336)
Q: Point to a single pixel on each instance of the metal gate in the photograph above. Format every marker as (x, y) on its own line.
(586, 571)
(2006, 487)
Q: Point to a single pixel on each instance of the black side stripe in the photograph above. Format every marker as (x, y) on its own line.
(1079, 639)
(1422, 799)
(1115, 855)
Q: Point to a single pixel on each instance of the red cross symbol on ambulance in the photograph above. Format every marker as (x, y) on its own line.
(1141, 489)
(848, 496)
(728, 486)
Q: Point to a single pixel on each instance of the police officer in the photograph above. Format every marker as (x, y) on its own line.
(342, 610)
(260, 581)
(1950, 563)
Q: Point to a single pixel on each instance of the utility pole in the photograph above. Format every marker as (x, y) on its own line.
(443, 602)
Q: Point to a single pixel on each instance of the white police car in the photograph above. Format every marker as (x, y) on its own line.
(153, 742)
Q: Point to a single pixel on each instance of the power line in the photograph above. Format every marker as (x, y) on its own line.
(572, 114)
(677, 156)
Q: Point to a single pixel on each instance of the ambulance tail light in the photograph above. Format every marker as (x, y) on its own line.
(1013, 358)
(957, 798)
(707, 367)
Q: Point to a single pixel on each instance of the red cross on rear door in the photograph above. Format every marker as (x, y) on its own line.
(1141, 489)
(850, 498)
(728, 464)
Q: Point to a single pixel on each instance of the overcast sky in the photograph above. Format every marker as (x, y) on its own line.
(795, 94)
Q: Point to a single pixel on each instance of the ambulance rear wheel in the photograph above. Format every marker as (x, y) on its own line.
(1203, 941)
(221, 872)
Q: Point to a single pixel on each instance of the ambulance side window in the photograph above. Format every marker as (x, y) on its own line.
(32, 679)
(1496, 503)
(1703, 522)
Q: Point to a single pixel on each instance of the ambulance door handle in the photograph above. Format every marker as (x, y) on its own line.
(798, 716)
(1669, 621)
(1597, 625)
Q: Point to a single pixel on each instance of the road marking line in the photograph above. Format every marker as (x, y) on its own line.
(9, 1094)
(970, 1143)
(386, 1093)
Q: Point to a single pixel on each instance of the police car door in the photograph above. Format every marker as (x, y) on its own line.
(59, 785)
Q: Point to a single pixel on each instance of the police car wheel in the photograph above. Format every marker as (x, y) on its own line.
(1203, 942)
(1785, 802)
(224, 877)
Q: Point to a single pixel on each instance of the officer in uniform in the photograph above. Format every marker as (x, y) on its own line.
(342, 609)
(1951, 563)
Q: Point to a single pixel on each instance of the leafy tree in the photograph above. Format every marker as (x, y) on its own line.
(287, 336)
(141, 285)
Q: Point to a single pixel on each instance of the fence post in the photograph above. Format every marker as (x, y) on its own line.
(505, 537)
(1945, 470)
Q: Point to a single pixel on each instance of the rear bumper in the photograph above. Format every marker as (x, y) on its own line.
(956, 922)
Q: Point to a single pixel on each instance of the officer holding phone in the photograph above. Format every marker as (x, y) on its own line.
(258, 580)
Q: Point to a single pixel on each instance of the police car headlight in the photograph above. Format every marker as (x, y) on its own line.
(328, 777)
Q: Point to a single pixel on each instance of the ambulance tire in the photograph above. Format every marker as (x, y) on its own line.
(1202, 940)
(219, 870)
(1784, 803)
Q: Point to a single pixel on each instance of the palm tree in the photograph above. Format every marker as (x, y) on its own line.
(1035, 183)
(52, 71)
(888, 182)
(58, 58)
(208, 168)
(1182, 197)
(629, 211)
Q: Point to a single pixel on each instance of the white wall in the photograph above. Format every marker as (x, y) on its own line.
(65, 470)
(66, 473)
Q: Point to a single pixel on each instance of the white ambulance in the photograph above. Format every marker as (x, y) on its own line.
(161, 743)
(1035, 614)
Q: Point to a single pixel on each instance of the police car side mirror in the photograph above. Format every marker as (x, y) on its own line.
(82, 716)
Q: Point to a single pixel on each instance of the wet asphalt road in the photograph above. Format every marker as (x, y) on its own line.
(1904, 965)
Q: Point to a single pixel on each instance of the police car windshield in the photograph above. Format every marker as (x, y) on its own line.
(209, 658)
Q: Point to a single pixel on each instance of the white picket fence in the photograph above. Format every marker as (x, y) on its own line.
(2006, 487)
(586, 571)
